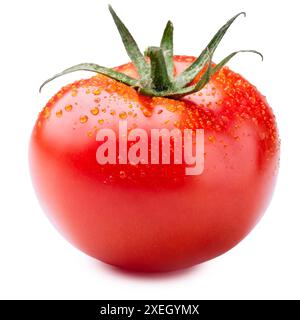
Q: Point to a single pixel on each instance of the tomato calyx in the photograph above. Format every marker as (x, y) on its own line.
(155, 67)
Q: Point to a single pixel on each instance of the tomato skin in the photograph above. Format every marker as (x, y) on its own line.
(155, 218)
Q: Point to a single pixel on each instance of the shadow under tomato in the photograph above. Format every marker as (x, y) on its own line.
(166, 275)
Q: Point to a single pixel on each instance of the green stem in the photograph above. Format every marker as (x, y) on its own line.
(157, 77)
(166, 45)
(131, 47)
(159, 73)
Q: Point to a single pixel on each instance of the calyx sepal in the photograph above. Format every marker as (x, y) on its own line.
(156, 77)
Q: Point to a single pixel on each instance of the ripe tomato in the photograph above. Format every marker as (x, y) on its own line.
(155, 217)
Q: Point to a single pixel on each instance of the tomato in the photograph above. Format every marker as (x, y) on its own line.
(155, 217)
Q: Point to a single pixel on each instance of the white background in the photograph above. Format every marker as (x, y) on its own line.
(39, 38)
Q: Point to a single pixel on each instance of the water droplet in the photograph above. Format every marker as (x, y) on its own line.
(123, 115)
(212, 139)
(68, 107)
(46, 112)
(95, 111)
(147, 113)
(59, 113)
(74, 93)
(96, 92)
(122, 174)
(83, 119)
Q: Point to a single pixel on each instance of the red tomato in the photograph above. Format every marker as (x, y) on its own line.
(154, 217)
